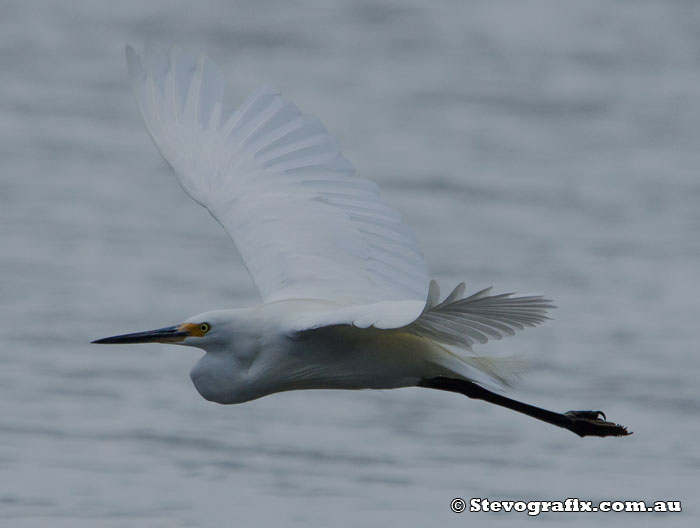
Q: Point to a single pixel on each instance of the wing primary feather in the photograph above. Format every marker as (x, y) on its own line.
(479, 317)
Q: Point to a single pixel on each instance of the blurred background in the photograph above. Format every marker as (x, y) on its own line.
(533, 146)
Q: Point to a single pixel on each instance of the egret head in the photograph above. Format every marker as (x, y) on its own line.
(197, 331)
(230, 347)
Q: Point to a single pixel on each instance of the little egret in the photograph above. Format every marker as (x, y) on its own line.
(346, 298)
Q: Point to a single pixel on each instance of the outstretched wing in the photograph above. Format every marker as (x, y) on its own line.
(277, 182)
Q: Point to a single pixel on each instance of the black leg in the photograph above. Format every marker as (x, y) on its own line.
(583, 423)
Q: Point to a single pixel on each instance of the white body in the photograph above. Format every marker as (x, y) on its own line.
(267, 356)
(274, 347)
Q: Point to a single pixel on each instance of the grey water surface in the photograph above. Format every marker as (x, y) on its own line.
(534, 146)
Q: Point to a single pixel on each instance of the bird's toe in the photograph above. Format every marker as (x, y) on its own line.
(589, 423)
(588, 415)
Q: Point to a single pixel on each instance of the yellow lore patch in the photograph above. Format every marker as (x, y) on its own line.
(194, 330)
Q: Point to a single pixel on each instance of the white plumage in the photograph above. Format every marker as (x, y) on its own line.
(347, 300)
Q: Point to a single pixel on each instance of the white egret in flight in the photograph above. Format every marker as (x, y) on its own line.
(346, 298)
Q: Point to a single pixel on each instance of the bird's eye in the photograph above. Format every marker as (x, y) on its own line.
(204, 327)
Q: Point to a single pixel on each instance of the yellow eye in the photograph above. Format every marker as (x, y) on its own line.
(204, 327)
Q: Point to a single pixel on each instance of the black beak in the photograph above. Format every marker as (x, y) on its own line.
(170, 334)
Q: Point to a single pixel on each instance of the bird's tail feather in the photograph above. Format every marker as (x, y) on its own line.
(493, 371)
